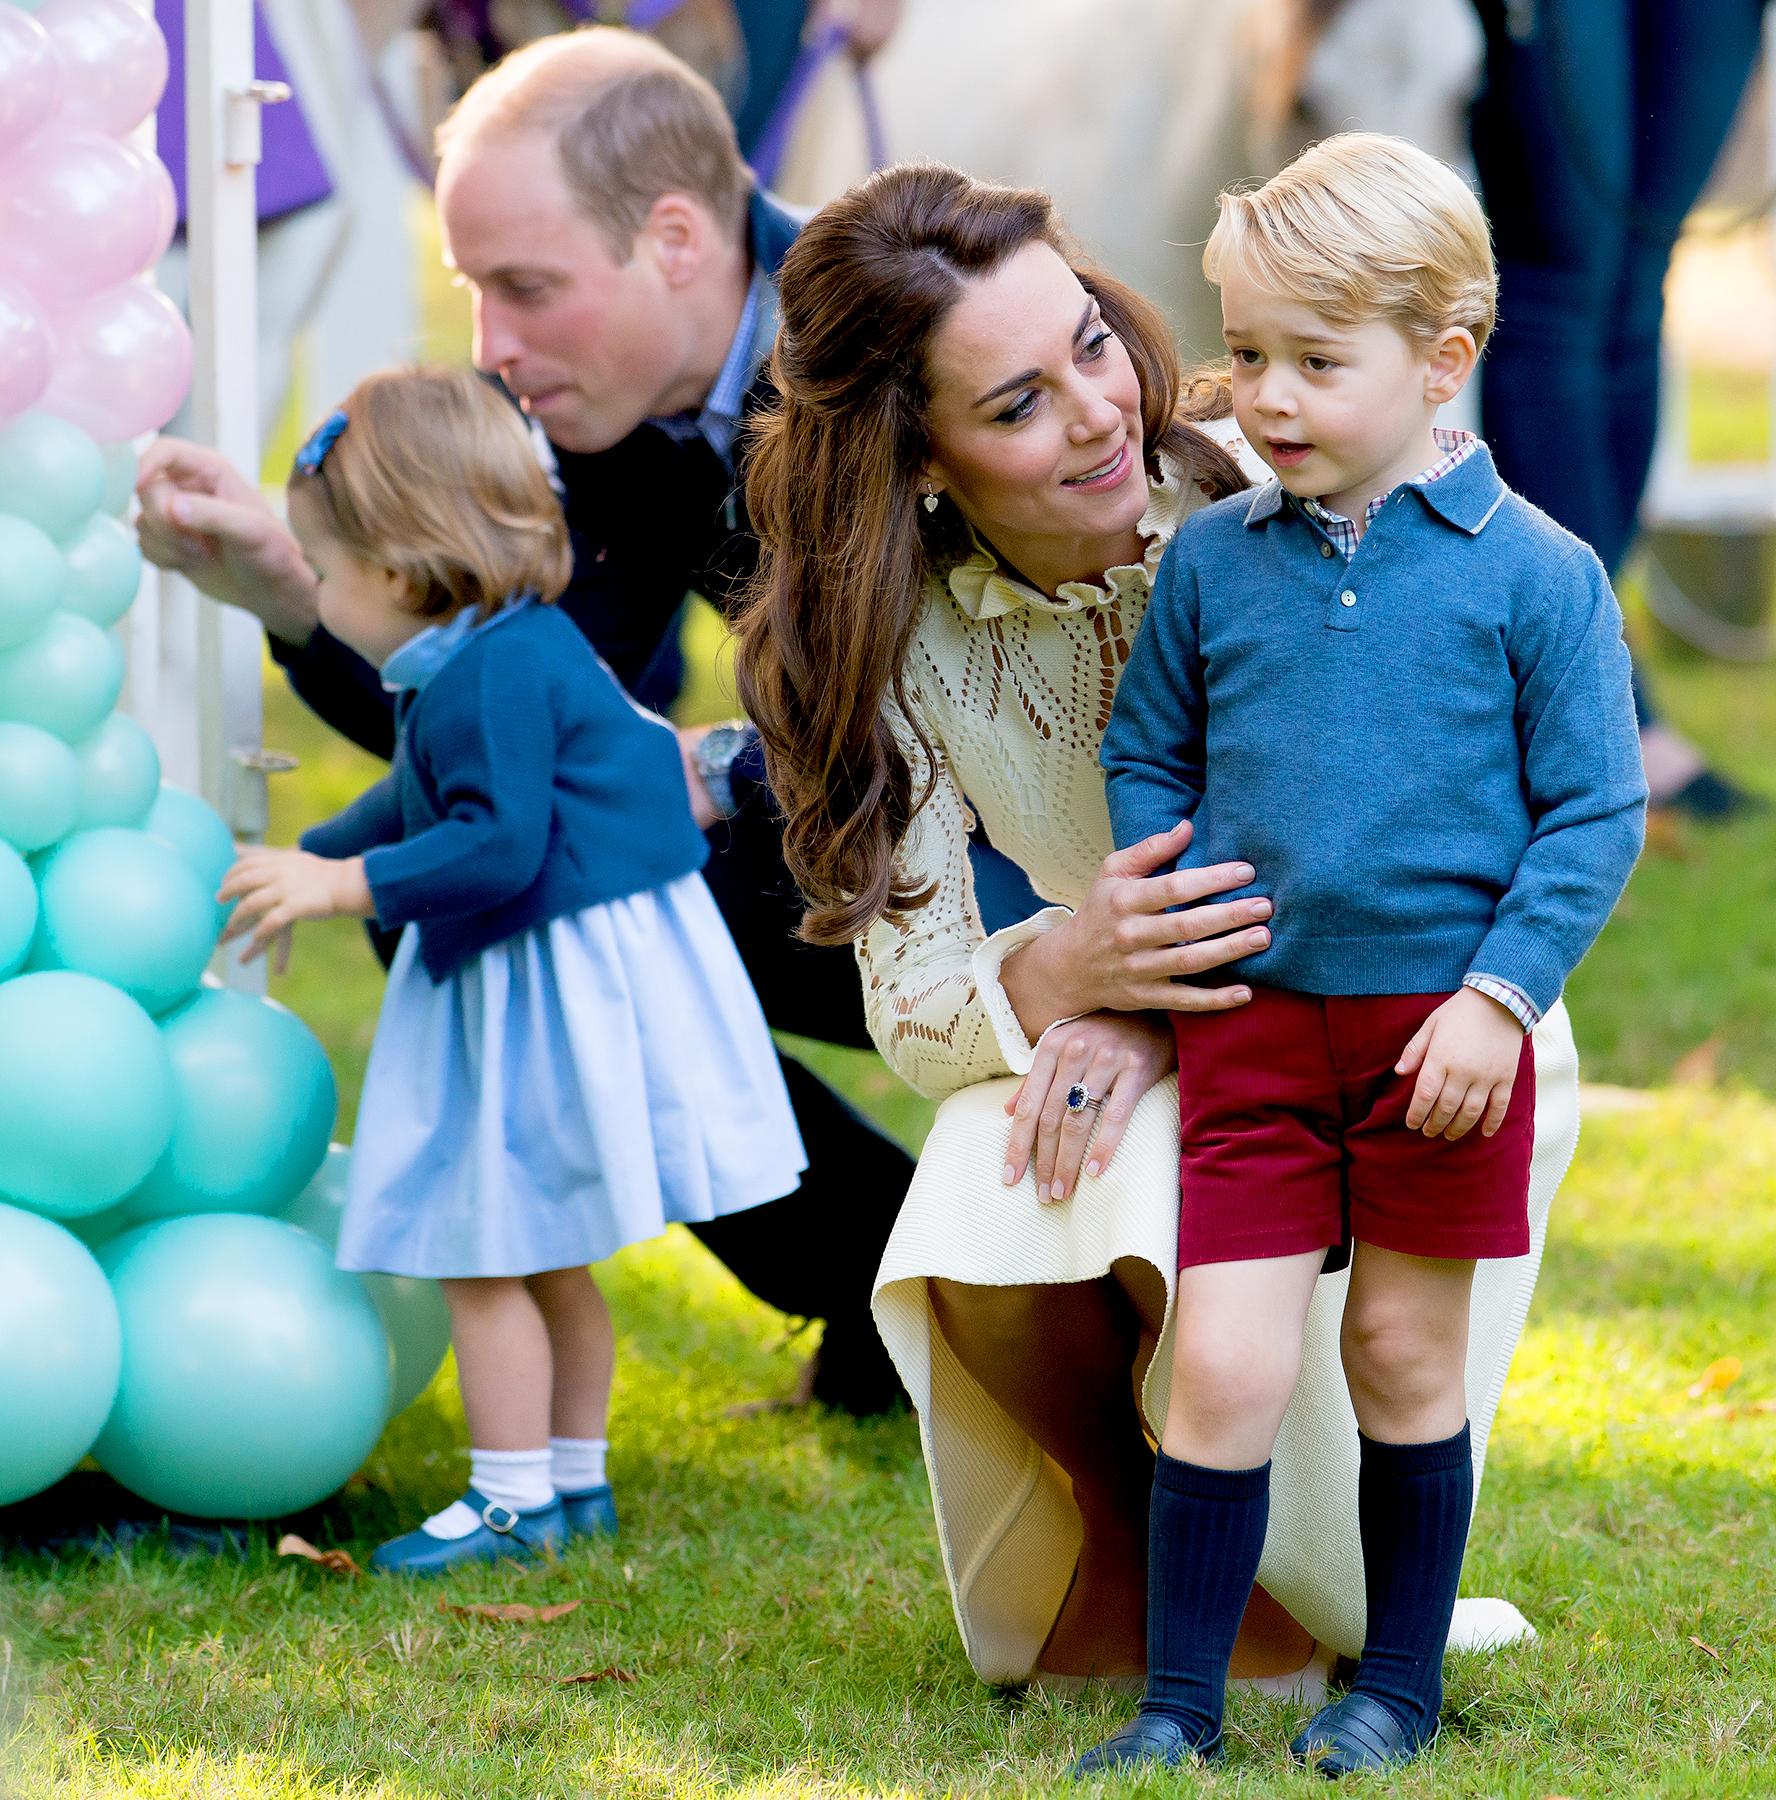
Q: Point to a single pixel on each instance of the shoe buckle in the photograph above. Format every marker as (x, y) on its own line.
(504, 1526)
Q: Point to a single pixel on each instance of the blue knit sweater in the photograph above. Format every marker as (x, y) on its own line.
(1428, 754)
(526, 785)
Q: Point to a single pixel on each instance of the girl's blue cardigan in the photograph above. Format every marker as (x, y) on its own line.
(525, 786)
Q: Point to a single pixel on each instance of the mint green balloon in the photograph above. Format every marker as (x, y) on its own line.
(120, 475)
(32, 580)
(104, 567)
(39, 787)
(256, 1102)
(198, 832)
(95, 1230)
(255, 1375)
(412, 1308)
(18, 910)
(60, 1352)
(64, 680)
(86, 1094)
(119, 774)
(51, 473)
(127, 908)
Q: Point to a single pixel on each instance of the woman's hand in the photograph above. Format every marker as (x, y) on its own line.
(278, 887)
(206, 522)
(1122, 947)
(1117, 1057)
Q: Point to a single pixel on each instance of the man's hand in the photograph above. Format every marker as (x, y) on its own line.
(1466, 1054)
(208, 523)
(702, 806)
(278, 887)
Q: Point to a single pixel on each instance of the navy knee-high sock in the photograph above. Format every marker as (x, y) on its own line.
(1413, 1504)
(1206, 1534)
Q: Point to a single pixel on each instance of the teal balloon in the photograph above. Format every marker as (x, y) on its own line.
(60, 1352)
(86, 1094)
(412, 1309)
(198, 832)
(104, 568)
(64, 680)
(120, 475)
(119, 774)
(255, 1375)
(39, 787)
(18, 910)
(51, 473)
(95, 1230)
(33, 578)
(256, 1102)
(129, 909)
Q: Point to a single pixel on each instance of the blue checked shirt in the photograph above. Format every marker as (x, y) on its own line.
(718, 422)
(1457, 447)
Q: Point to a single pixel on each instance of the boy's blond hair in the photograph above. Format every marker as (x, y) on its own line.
(434, 475)
(630, 122)
(1365, 227)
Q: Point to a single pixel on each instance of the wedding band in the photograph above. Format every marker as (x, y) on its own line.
(1078, 1099)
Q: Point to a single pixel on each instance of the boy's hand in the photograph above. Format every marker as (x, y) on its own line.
(278, 887)
(1466, 1055)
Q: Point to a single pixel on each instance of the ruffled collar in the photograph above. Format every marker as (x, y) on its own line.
(415, 663)
(984, 589)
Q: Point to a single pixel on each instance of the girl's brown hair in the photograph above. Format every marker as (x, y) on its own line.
(434, 475)
(833, 488)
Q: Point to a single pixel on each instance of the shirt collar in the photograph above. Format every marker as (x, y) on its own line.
(718, 421)
(1465, 496)
(422, 656)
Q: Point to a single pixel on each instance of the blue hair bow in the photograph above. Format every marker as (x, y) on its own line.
(312, 454)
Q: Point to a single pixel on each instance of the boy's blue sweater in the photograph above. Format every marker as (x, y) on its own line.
(526, 785)
(1428, 754)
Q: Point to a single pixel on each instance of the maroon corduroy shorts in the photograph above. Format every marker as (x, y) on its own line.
(1294, 1137)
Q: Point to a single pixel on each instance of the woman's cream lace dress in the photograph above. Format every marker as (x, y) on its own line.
(1014, 690)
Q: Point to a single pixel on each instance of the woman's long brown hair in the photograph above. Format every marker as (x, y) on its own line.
(833, 489)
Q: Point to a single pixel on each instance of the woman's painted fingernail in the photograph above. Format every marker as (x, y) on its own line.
(1010, 1176)
(1091, 1168)
(1058, 1191)
(1042, 1192)
(1244, 871)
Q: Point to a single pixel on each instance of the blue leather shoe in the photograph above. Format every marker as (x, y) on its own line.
(590, 1513)
(1356, 1732)
(502, 1533)
(1147, 1738)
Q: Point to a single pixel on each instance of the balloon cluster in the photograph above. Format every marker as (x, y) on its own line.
(84, 217)
(212, 1358)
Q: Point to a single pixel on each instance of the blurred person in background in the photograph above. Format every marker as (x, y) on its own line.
(1594, 134)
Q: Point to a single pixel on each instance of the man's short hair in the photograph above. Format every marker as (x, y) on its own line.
(1365, 227)
(631, 122)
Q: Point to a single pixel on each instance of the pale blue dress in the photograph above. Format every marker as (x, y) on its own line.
(574, 1089)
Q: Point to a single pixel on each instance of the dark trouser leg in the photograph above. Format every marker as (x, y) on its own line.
(815, 1252)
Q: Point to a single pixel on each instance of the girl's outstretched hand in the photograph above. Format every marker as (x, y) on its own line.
(272, 889)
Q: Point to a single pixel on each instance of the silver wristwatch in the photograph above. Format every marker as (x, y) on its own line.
(713, 760)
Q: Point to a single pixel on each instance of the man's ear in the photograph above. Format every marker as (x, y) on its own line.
(1451, 359)
(677, 234)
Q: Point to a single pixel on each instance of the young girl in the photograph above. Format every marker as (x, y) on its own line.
(569, 1054)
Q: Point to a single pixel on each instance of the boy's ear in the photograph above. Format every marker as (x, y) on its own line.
(1450, 361)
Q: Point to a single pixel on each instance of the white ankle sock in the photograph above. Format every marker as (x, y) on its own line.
(576, 1464)
(515, 1478)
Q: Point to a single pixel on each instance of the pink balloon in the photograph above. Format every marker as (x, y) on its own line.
(79, 213)
(123, 363)
(25, 352)
(30, 78)
(114, 62)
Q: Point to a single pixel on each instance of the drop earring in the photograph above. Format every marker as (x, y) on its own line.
(930, 500)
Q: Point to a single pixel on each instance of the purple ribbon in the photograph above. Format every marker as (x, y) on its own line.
(773, 141)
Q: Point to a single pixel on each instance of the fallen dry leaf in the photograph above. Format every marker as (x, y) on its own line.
(1665, 835)
(1697, 1068)
(338, 1561)
(1720, 1374)
(1708, 1648)
(587, 1676)
(513, 1612)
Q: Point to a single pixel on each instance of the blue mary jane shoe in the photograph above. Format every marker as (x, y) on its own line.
(1356, 1732)
(502, 1533)
(590, 1513)
(1147, 1738)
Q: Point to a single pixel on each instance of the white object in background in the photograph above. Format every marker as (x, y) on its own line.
(1483, 1625)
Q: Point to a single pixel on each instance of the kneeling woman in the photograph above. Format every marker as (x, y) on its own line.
(978, 460)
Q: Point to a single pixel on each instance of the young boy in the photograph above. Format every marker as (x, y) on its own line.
(1400, 693)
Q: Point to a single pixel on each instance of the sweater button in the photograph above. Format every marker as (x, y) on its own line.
(1347, 598)
(1325, 549)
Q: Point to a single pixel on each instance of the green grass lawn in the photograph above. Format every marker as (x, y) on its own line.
(777, 1596)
